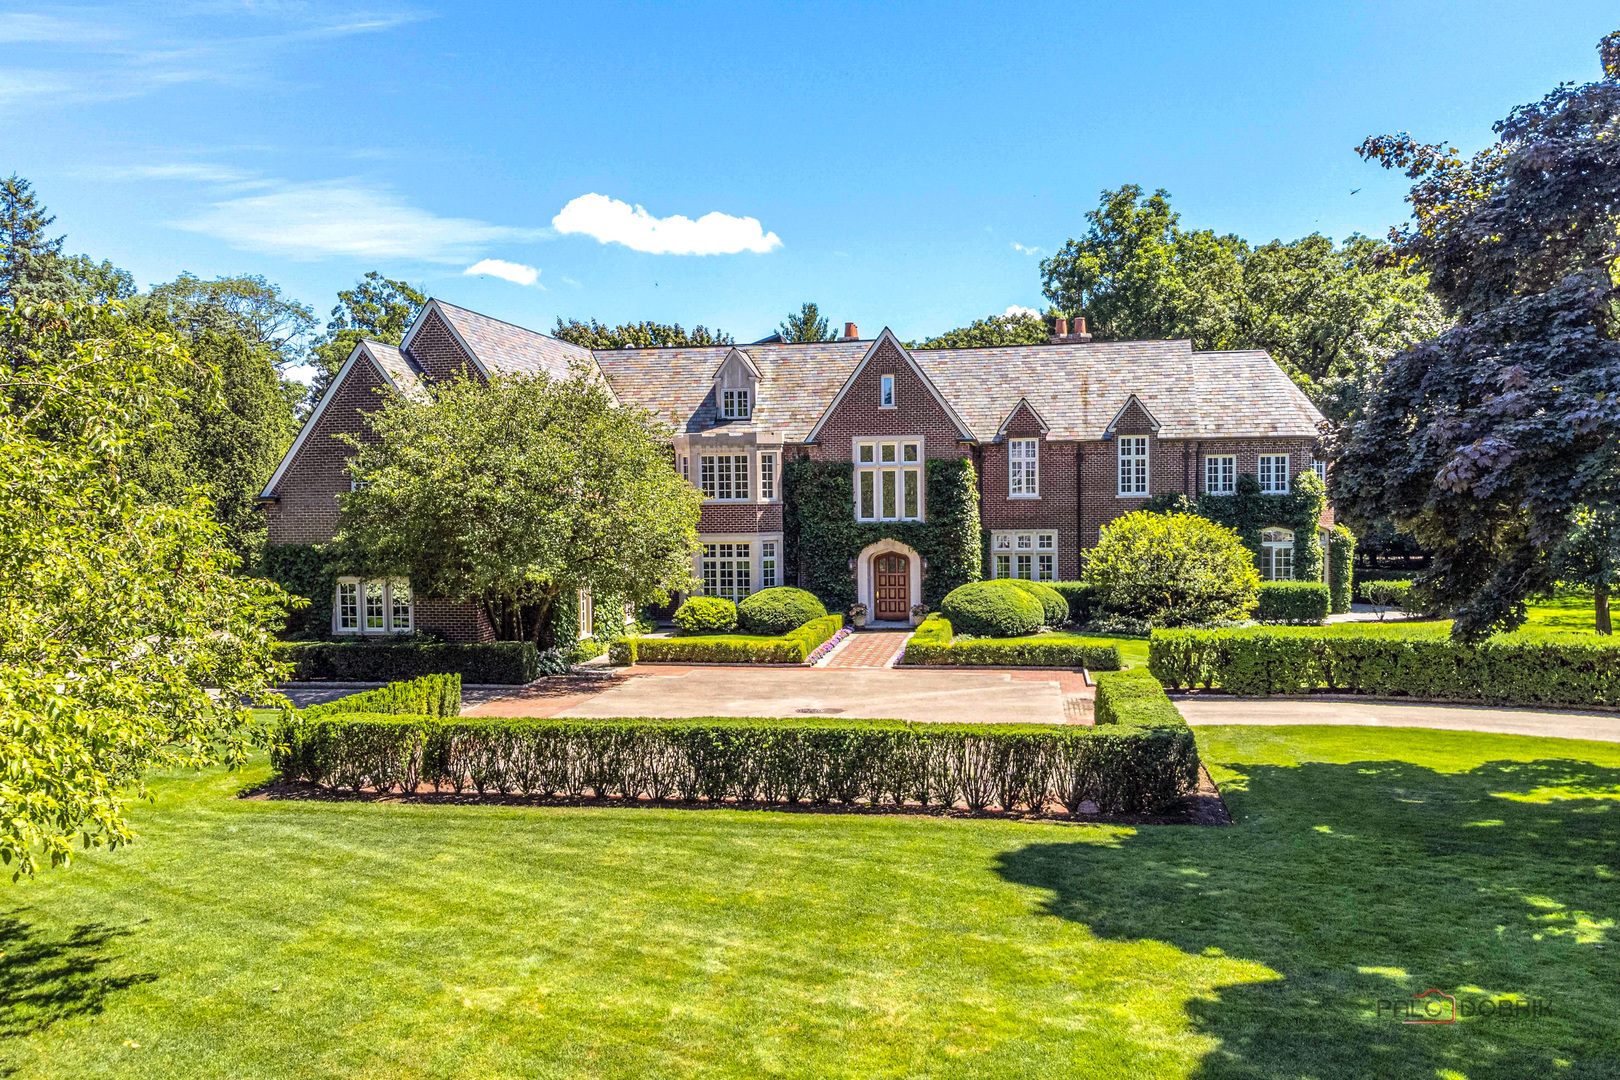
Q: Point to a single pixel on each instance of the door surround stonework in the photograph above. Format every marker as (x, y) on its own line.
(866, 578)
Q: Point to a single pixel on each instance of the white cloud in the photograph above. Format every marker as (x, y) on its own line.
(201, 173)
(18, 26)
(615, 222)
(1026, 250)
(1015, 312)
(309, 221)
(516, 273)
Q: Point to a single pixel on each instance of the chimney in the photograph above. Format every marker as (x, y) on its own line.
(1061, 329)
(851, 331)
(1065, 333)
(1080, 325)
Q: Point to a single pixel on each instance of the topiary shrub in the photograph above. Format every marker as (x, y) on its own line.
(1051, 601)
(706, 615)
(1299, 602)
(1172, 570)
(776, 611)
(992, 609)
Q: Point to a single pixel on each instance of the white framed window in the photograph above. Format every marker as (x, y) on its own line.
(767, 564)
(727, 570)
(1277, 554)
(767, 477)
(735, 404)
(1023, 469)
(724, 477)
(886, 392)
(1220, 475)
(373, 607)
(1030, 555)
(686, 468)
(1274, 474)
(888, 481)
(1133, 466)
(1320, 469)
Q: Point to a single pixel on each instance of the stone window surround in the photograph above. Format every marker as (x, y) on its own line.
(1004, 544)
(755, 542)
(899, 466)
(691, 449)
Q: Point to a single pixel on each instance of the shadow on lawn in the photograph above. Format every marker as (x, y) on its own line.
(1378, 880)
(43, 980)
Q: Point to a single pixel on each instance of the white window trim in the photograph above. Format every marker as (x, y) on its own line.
(756, 542)
(1269, 549)
(775, 460)
(886, 391)
(748, 463)
(736, 403)
(363, 590)
(1004, 542)
(1287, 473)
(899, 466)
(1032, 467)
(1211, 460)
(1147, 468)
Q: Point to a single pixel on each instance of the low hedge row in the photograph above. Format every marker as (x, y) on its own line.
(510, 662)
(1121, 768)
(1508, 670)
(1298, 602)
(792, 647)
(431, 695)
(931, 646)
(1134, 697)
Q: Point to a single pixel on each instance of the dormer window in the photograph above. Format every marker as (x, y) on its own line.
(735, 404)
(886, 393)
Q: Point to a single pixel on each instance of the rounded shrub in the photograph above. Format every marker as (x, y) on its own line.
(1051, 601)
(1172, 570)
(992, 609)
(776, 611)
(706, 615)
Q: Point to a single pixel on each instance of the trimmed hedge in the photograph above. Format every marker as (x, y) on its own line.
(1055, 607)
(1121, 768)
(1388, 593)
(506, 662)
(779, 610)
(1134, 697)
(431, 695)
(706, 615)
(1081, 597)
(794, 647)
(1341, 565)
(992, 609)
(1293, 602)
(1507, 670)
(931, 646)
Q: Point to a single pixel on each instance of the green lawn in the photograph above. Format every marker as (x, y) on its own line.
(279, 939)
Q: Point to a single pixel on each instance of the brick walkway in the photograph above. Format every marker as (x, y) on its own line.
(870, 649)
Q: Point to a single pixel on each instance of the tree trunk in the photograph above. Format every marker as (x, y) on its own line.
(1600, 595)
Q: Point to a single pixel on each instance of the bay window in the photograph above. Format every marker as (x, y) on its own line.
(727, 570)
(724, 477)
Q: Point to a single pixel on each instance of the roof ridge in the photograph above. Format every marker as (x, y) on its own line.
(504, 322)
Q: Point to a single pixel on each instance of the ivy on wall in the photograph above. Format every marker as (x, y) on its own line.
(304, 570)
(821, 535)
(1248, 512)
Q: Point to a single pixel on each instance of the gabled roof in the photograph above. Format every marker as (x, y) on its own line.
(1113, 425)
(742, 358)
(397, 371)
(1023, 403)
(501, 348)
(886, 336)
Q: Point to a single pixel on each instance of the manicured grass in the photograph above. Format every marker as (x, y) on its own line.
(1569, 611)
(279, 939)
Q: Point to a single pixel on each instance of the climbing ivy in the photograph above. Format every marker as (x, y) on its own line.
(821, 535)
(1248, 512)
(303, 570)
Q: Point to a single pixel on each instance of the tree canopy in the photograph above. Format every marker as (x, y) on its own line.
(376, 307)
(1015, 328)
(517, 493)
(806, 324)
(120, 619)
(641, 335)
(1486, 441)
(245, 305)
(32, 266)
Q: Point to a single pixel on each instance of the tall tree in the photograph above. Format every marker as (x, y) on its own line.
(127, 643)
(1590, 556)
(1487, 441)
(641, 335)
(514, 494)
(29, 256)
(806, 324)
(377, 307)
(1017, 328)
(246, 305)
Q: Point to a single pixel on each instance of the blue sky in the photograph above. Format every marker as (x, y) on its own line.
(902, 165)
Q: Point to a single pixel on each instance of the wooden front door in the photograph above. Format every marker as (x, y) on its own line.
(893, 587)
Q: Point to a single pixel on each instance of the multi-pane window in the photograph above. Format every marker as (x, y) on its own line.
(1277, 554)
(1028, 555)
(1320, 469)
(888, 481)
(886, 392)
(734, 404)
(373, 607)
(767, 564)
(767, 476)
(686, 468)
(1274, 474)
(727, 570)
(1023, 468)
(1133, 465)
(1220, 475)
(724, 476)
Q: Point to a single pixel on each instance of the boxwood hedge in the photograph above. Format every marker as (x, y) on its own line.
(1121, 768)
(931, 646)
(776, 611)
(1390, 662)
(509, 662)
(992, 609)
(706, 615)
(431, 695)
(1299, 602)
(1053, 605)
(792, 647)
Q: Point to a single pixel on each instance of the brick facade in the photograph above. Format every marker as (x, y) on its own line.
(305, 510)
(1058, 486)
(718, 517)
(915, 413)
(435, 348)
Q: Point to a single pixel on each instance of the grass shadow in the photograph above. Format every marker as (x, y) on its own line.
(45, 980)
(1374, 881)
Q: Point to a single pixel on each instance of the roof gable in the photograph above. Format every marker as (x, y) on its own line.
(887, 338)
(1028, 410)
(396, 372)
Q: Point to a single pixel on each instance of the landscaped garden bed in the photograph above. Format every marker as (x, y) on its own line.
(934, 645)
(793, 647)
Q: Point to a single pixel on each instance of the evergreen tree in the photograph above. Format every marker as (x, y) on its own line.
(28, 255)
(806, 324)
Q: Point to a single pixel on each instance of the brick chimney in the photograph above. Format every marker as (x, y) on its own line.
(851, 331)
(1065, 334)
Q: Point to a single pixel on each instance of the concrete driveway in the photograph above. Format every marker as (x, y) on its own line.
(1603, 727)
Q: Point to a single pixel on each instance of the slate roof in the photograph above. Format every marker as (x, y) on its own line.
(505, 349)
(797, 381)
(400, 368)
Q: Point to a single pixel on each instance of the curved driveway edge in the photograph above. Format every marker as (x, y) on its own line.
(1601, 727)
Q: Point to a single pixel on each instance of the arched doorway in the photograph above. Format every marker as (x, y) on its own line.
(891, 587)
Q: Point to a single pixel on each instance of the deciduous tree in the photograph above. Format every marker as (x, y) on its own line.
(377, 307)
(641, 335)
(1590, 555)
(1017, 328)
